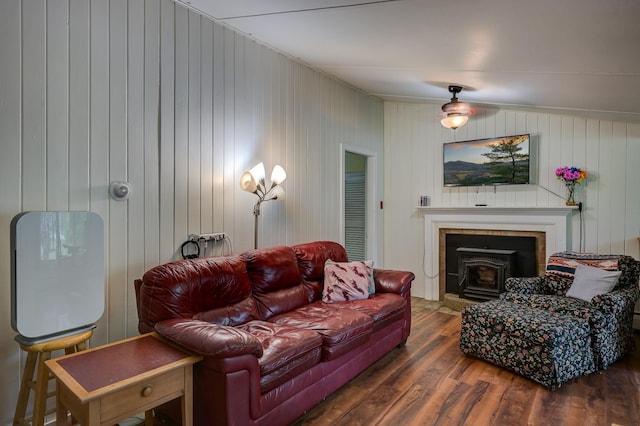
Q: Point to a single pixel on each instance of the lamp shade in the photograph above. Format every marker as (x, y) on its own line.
(278, 175)
(248, 183)
(454, 121)
(258, 172)
(277, 193)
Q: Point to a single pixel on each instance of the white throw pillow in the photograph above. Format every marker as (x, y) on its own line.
(590, 282)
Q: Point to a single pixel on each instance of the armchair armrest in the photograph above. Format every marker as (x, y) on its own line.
(390, 281)
(616, 301)
(531, 285)
(210, 340)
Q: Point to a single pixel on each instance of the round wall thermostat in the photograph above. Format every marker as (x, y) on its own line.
(119, 190)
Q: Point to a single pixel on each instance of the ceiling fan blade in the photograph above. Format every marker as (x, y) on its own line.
(462, 108)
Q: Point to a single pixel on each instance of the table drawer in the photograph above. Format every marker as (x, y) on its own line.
(137, 395)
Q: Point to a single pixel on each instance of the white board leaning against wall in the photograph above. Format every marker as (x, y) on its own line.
(57, 273)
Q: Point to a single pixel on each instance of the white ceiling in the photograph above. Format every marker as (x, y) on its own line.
(580, 57)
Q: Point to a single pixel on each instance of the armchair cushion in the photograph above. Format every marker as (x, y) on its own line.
(560, 305)
(564, 264)
(590, 282)
(561, 269)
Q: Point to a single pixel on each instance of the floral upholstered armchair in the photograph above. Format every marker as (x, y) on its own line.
(601, 289)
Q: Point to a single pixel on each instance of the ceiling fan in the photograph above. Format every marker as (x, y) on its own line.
(455, 113)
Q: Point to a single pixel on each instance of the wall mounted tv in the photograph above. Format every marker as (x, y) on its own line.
(492, 161)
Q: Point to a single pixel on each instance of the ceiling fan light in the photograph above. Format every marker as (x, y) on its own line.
(456, 114)
(454, 121)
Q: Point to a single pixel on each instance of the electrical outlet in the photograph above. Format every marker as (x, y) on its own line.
(216, 236)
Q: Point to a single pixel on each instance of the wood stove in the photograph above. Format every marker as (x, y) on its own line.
(482, 272)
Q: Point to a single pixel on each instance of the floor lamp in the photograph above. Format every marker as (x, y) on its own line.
(253, 181)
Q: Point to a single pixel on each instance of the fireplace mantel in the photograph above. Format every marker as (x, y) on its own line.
(555, 222)
(480, 210)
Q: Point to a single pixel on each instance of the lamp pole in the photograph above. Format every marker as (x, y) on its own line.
(256, 213)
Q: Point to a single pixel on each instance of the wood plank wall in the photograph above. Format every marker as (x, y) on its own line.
(609, 151)
(150, 92)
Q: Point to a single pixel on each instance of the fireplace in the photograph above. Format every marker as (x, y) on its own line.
(521, 254)
(482, 272)
(551, 227)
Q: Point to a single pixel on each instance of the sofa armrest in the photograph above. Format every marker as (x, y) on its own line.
(530, 285)
(616, 301)
(210, 340)
(390, 281)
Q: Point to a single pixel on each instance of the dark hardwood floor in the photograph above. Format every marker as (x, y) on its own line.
(430, 382)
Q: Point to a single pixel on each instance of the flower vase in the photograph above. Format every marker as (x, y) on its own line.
(571, 187)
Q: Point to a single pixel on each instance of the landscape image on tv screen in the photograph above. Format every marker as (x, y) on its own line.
(493, 161)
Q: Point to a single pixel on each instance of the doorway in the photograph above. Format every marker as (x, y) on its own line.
(355, 202)
(359, 221)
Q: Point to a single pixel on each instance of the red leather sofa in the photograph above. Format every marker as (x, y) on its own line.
(272, 348)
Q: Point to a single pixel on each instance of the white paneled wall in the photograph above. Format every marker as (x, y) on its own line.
(609, 151)
(180, 106)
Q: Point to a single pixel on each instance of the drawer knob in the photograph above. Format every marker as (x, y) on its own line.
(148, 390)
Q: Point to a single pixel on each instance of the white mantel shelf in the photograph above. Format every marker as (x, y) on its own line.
(478, 210)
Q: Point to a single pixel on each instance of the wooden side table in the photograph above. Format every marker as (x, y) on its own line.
(107, 384)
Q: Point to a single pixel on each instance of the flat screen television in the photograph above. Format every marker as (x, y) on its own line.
(493, 161)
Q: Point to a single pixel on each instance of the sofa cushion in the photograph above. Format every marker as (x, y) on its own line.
(384, 308)
(210, 340)
(341, 329)
(276, 280)
(287, 351)
(590, 282)
(313, 256)
(186, 288)
(345, 281)
(311, 260)
(272, 269)
(231, 315)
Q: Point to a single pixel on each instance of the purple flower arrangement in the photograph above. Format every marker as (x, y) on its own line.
(570, 176)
